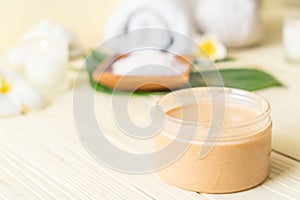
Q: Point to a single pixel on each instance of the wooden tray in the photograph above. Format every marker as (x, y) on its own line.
(140, 83)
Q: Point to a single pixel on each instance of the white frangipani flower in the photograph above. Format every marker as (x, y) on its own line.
(210, 47)
(16, 95)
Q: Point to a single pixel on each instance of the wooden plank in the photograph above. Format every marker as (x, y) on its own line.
(11, 188)
(56, 152)
(63, 175)
(43, 147)
(68, 165)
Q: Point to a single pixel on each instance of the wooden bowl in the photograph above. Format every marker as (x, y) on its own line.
(140, 83)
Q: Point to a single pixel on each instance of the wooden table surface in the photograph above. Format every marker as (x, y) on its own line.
(41, 156)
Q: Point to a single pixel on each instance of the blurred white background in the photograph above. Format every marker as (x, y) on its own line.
(87, 18)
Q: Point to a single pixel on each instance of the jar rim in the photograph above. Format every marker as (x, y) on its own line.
(229, 125)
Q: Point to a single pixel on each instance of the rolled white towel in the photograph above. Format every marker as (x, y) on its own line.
(236, 23)
(144, 14)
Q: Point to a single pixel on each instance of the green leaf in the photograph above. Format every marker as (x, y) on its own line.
(228, 59)
(93, 60)
(242, 78)
(98, 87)
(246, 79)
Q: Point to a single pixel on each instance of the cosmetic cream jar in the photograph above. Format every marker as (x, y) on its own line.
(230, 149)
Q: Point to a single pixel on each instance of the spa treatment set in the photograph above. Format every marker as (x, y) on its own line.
(152, 49)
(227, 130)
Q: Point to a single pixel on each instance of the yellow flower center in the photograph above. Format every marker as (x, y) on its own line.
(5, 87)
(209, 48)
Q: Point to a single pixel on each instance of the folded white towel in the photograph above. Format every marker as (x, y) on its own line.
(145, 14)
(236, 23)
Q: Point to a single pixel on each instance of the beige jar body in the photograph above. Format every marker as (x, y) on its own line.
(238, 160)
(227, 168)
